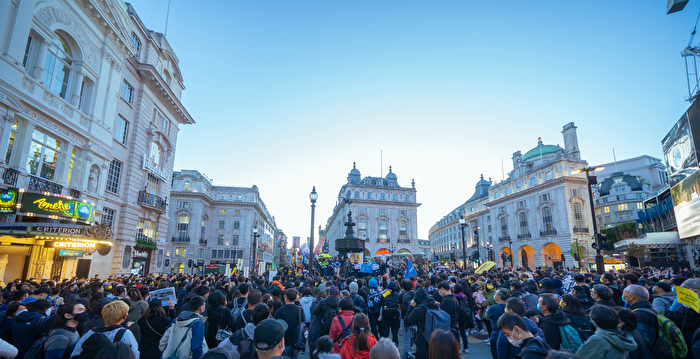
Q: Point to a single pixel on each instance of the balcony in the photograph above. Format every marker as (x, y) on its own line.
(181, 238)
(202, 241)
(504, 239)
(9, 177)
(549, 232)
(524, 235)
(152, 201)
(581, 229)
(144, 242)
(37, 184)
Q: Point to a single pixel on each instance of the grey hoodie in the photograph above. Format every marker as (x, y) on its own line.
(662, 303)
(607, 344)
(305, 303)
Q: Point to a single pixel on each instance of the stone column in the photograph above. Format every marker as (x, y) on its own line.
(18, 34)
(77, 85)
(23, 141)
(4, 258)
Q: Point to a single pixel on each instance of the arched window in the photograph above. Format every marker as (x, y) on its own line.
(58, 66)
(154, 154)
(578, 216)
(362, 228)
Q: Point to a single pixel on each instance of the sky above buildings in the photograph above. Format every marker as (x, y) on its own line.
(288, 94)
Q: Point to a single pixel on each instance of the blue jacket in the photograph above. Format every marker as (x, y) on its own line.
(505, 350)
(192, 320)
(494, 312)
(647, 325)
(28, 327)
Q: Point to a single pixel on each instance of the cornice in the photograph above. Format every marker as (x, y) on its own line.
(156, 82)
(539, 187)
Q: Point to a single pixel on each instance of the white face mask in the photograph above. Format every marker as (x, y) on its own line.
(514, 342)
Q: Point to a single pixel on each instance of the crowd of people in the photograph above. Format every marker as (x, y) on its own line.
(423, 314)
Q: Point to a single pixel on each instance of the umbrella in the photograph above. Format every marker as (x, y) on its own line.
(324, 255)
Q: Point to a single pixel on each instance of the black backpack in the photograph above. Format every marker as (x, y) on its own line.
(95, 342)
(246, 349)
(391, 307)
(405, 298)
(327, 319)
(36, 350)
(347, 331)
(465, 313)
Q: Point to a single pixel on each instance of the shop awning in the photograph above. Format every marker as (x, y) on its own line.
(653, 238)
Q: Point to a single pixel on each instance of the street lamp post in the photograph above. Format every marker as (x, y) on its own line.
(254, 262)
(313, 196)
(599, 262)
(476, 240)
(463, 226)
(510, 247)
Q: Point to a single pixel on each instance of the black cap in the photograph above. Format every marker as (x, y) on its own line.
(269, 333)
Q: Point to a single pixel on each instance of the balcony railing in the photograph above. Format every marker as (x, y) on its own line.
(152, 201)
(524, 235)
(504, 239)
(548, 232)
(41, 185)
(144, 241)
(9, 177)
(203, 241)
(74, 193)
(579, 229)
(181, 238)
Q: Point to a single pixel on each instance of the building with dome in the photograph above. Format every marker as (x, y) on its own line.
(534, 214)
(385, 214)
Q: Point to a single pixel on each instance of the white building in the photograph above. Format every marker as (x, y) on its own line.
(535, 214)
(90, 108)
(385, 214)
(218, 225)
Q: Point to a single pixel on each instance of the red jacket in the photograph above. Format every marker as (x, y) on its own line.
(337, 330)
(348, 350)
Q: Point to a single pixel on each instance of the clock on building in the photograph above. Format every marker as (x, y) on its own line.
(519, 184)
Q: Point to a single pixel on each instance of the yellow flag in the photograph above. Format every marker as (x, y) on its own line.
(688, 297)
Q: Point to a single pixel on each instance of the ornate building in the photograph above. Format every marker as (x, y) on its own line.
(90, 102)
(534, 214)
(385, 214)
(218, 225)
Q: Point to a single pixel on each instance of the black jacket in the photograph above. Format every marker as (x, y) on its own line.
(239, 323)
(152, 329)
(417, 317)
(217, 317)
(290, 313)
(451, 306)
(533, 348)
(327, 305)
(550, 326)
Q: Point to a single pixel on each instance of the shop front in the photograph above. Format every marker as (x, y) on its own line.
(141, 261)
(48, 237)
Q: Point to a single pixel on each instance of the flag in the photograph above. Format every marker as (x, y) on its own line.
(410, 271)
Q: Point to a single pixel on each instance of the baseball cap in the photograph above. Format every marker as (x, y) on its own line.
(269, 333)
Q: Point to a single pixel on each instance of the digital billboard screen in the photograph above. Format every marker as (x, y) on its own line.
(680, 149)
(686, 203)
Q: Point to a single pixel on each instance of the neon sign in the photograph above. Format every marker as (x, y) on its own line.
(57, 206)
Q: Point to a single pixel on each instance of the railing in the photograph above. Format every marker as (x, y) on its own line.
(74, 193)
(524, 235)
(203, 241)
(145, 241)
(383, 241)
(9, 177)
(181, 238)
(549, 232)
(580, 229)
(153, 201)
(504, 239)
(41, 185)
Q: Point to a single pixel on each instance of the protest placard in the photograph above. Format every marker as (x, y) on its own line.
(164, 295)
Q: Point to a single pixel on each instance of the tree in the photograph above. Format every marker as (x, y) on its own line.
(577, 251)
(638, 251)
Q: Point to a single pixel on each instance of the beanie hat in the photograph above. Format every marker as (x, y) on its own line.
(353, 287)
(372, 283)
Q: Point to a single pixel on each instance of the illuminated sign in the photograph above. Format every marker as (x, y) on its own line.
(140, 254)
(8, 200)
(57, 206)
(70, 253)
(74, 245)
(59, 230)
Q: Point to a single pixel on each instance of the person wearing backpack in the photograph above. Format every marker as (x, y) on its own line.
(218, 317)
(31, 324)
(292, 315)
(628, 326)
(552, 320)
(64, 335)
(390, 318)
(114, 315)
(241, 341)
(686, 318)
(242, 316)
(374, 305)
(423, 304)
(466, 318)
(184, 339)
(405, 299)
(360, 342)
(152, 326)
(607, 342)
(342, 323)
(573, 310)
(327, 309)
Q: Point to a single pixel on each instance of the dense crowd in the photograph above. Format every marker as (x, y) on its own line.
(427, 314)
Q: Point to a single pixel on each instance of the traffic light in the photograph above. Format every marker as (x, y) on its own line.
(452, 257)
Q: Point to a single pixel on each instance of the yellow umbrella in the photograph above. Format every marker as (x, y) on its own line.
(484, 267)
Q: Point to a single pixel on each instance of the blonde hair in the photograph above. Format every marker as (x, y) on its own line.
(115, 312)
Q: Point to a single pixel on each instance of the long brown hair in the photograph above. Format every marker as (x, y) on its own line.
(360, 328)
(443, 345)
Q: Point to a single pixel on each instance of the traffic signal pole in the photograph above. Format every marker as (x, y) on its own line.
(599, 262)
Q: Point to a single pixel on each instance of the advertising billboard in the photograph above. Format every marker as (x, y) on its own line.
(8, 200)
(680, 149)
(57, 206)
(686, 203)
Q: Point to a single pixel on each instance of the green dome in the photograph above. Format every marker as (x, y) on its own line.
(540, 150)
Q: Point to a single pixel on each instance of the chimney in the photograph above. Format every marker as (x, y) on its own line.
(571, 141)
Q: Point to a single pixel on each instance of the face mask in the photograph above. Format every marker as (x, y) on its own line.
(80, 317)
(513, 342)
(48, 312)
(538, 308)
(489, 287)
(592, 322)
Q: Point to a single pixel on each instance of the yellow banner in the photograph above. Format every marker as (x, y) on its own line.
(688, 297)
(485, 266)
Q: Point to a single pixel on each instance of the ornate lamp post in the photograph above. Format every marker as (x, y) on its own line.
(463, 226)
(254, 261)
(599, 262)
(313, 196)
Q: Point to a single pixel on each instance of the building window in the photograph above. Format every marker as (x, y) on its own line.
(222, 212)
(521, 204)
(127, 92)
(86, 89)
(236, 212)
(145, 229)
(235, 240)
(522, 219)
(357, 194)
(606, 209)
(403, 231)
(504, 226)
(180, 251)
(382, 196)
(201, 253)
(544, 197)
(383, 238)
(369, 195)
(640, 205)
(58, 66)
(236, 225)
(115, 170)
(126, 257)
(121, 130)
(71, 164)
(578, 215)
(395, 197)
(137, 45)
(183, 226)
(220, 240)
(28, 52)
(187, 186)
(184, 204)
(11, 143)
(43, 155)
(362, 228)
(622, 207)
(222, 224)
(159, 261)
(574, 192)
(154, 154)
(402, 212)
(533, 181)
(382, 212)
(108, 216)
(152, 184)
(408, 198)
(547, 221)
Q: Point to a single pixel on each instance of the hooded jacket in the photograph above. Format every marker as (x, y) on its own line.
(152, 329)
(348, 350)
(329, 303)
(231, 344)
(662, 302)
(533, 348)
(417, 317)
(217, 317)
(189, 325)
(550, 326)
(28, 326)
(305, 303)
(337, 330)
(607, 344)
(110, 332)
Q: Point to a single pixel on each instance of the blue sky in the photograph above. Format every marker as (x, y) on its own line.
(287, 94)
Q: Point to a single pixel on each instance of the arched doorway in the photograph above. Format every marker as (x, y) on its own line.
(382, 251)
(551, 255)
(527, 257)
(506, 261)
(403, 251)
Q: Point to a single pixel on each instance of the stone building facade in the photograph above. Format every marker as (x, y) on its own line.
(384, 212)
(218, 225)
(90, 108)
